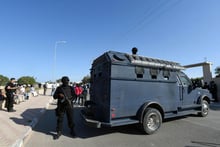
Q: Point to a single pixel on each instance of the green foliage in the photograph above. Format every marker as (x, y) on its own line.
(26, 80)
(217, 71)
(3, 80)
(58, 81)
(86, 79)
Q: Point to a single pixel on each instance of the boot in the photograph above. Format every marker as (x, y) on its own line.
(57, 136)
(72, 132)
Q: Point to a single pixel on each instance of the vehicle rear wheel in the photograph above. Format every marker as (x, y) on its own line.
(152, 121)
(205, 109)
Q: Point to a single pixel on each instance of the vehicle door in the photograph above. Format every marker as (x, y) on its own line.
(186, 92)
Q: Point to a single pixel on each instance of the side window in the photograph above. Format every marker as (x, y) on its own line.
(139, 72)
(184, 80)
(166, 74)
(153, 73)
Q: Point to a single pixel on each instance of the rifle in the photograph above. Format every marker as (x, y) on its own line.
(66, 98)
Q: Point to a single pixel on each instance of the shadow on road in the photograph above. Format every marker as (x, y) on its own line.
(27, 116)
(207, 144)
(92, 132)
(47, 125)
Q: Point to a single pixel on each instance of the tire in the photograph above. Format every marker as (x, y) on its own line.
(205, 109)
(152, 121)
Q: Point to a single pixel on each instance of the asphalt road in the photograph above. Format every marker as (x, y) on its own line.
(190, 131)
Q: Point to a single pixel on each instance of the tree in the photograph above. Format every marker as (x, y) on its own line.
(58, 80)
(86, 79)
(217, 71)
(3, 80)
(26, 80)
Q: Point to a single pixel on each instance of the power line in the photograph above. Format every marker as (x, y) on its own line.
(152, 14)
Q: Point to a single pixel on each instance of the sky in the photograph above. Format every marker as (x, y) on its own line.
(48, 39)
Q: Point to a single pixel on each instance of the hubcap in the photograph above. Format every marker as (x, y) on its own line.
(205, 108)
(153, 122)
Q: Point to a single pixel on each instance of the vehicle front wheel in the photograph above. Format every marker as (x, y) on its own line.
(152, 121)
(205, 109)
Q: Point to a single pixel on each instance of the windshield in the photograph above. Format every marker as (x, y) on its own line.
(185, 81)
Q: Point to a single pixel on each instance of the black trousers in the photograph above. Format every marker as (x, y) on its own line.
(10, 102)
(61, 110)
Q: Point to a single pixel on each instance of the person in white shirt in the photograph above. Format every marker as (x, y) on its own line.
(32, 90)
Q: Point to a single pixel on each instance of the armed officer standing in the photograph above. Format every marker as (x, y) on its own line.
(65, 95)
(10, 89)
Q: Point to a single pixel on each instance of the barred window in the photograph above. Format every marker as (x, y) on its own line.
(139, 72)
(154, 72)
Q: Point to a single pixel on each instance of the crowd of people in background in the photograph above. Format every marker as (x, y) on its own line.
(81, 93)
(13, 93)
(212, 87)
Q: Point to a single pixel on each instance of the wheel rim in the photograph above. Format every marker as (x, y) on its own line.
(205, 108)
(153, 121)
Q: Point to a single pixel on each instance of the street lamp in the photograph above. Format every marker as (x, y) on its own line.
(55, 57)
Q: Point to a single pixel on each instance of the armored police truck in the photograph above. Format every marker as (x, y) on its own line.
(128, 89)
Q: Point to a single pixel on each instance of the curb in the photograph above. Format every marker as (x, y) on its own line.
(19, 142)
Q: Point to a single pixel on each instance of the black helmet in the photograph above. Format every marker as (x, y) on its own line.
(65, 79)
(134, 50)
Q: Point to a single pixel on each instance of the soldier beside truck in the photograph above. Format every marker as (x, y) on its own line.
(129, 89)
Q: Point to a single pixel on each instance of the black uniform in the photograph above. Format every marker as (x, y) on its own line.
(65, 95)
(10, 96)
(213, 90)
